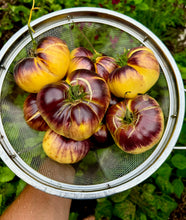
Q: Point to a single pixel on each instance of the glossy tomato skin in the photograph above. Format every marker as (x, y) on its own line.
(55, 54)
(101, 134)
(64, 150)
(82, 58)
(76, 118)
(104, 65)
(101, 138)
(81, 52)
(136, 77)
(49, 64)
(80, 63)
(32, 115)
(143, 129)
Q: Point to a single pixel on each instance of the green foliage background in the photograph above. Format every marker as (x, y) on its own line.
(160, 195)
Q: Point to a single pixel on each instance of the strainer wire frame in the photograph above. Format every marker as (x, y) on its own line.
(176, 109)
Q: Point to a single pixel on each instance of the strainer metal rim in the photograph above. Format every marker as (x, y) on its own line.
(120, 184)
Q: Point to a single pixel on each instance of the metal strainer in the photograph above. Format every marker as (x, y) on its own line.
(104, 171)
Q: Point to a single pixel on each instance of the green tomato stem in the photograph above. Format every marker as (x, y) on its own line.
(30, 29)
(122, 59)
(95, 56)
(128, 117)
(76, 93)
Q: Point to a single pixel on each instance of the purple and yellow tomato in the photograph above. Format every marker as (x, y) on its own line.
(64, 150)
(114, 100)
(82, 58)
(75, 108)
(49, 64)
(136, 77)
(32, 115)
(136, 125)
(101, 136)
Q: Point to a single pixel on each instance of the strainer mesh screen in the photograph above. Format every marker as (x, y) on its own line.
(101, 165)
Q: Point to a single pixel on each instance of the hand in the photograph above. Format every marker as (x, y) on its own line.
(33, 204)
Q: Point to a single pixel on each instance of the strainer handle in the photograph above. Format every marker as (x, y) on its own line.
(180, 147)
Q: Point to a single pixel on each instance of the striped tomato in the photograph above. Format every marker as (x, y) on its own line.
(82, 58)
(75, 108)
(49, 64)
(136, 125)
(136, 77)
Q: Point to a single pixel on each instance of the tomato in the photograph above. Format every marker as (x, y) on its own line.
(82, 58)
(49, 64)
(64, 150)
(136, 77)
(75, 108)
(137, 124)
(32, 115)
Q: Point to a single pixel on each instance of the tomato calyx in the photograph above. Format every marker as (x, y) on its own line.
(32, 52)
(76, 92)
(95, 56)
(129, 117)
(122, 59)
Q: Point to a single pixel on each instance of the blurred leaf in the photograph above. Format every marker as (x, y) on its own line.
(138, 1)
(103, 210)
(73, 216)
(182, 137)
(7, 190)
(20, 186)
(142, 216)
(7, 88)
(125, 210)
(164, 184)
(33, 142)
(181, 173)
(164, 171)
(26, 1)
(150, 198)
(179, 161)
(183, 74)
(56, 7)
(1, 199)
(13, 133)
(180, 58)
(149, 188)
(19, 100)
(178, 187)
(42, 11)
(102, 199)
(6, 24)
(6, 174)
(51, 1)
(143, 6)
(20, 12)
(119, 197)
(167, 204)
